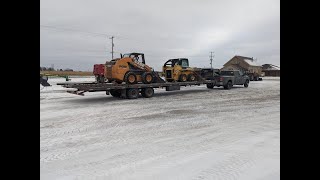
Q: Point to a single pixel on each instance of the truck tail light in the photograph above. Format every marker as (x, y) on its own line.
(221, 79)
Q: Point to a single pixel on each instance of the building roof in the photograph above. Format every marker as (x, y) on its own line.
(247, 60)
(270, 67)
(243, 57)
(251, 62)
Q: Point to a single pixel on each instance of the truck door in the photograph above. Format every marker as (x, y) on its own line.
(241, 77)
(237, 77)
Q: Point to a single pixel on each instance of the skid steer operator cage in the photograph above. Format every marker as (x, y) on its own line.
(136, 56)
(183, 62)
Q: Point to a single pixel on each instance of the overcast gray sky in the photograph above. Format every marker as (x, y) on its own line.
(75, 33)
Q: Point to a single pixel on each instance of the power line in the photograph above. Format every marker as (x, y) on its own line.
(74, 30)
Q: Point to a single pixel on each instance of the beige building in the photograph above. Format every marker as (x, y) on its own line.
(245, 64)
(271, 70)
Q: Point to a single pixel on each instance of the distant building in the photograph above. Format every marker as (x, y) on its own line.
(245, 64)
(68, 69)
(271, 70)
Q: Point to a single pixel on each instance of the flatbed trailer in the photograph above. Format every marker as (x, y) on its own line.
(130, 91)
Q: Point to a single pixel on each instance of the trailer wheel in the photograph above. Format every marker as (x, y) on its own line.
(130, 78)
(210, 86)
(191, 77)
(183, 78)
(246, 84)
(147, 78)
(132, 93)
(115, 93)
(228, 85)
(251, 78)
(100, 79)
(147, 92)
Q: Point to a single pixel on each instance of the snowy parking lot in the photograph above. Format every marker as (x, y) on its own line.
(195, 133)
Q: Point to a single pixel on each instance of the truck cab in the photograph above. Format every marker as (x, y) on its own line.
(228, 78)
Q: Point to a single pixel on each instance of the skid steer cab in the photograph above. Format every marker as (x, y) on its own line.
(130, 68)
(178, 70)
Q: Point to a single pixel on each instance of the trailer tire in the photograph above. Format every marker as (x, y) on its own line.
(228, 85)
(132, 93)
(210, 86)
(130, 78)
(251, 78)
(147, 78)
(115, 93)
(246, 84)
(191, 77)
(100, 79)
(147, 92)
(183, 78)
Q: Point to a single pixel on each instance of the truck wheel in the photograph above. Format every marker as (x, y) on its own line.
(132, 93)
(246, 84)
(147, 92)
(115, 93)
(228, 85)
(147, 78)
(210, 86)
(130, 78)
(182, 78)
(191, 77)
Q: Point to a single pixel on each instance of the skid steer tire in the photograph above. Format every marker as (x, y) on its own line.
(147, 78)
(182, 78)
(191, 77)
(130, 78)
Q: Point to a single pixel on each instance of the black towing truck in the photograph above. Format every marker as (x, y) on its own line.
(232, 77)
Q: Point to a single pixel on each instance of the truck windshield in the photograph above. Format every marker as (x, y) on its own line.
(227, 73)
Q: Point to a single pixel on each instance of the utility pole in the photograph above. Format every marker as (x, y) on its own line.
(112, 45)
(211, 58)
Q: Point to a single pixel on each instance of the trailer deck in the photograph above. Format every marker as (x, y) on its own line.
(128, 90)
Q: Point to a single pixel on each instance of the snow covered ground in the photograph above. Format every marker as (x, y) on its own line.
(195, 133)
